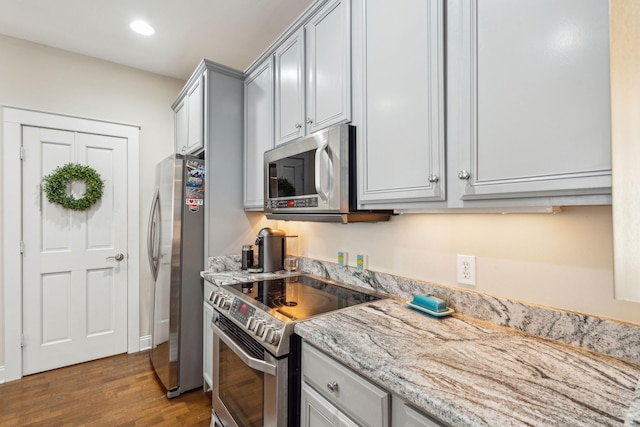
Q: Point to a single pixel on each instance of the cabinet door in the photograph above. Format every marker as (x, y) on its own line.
(180, 122)
(399, 101)
(404, 415)
(532, 81)
(289, 88)
(207, 347)
(328, 65)
(316, 411)
(258, 104)
(364, 401)
(195, 117)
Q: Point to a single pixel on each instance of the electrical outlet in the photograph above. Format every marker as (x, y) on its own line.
(343, 258)
(361, 262)
(467, 270)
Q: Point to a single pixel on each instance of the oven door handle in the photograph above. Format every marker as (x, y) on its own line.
(250, 361)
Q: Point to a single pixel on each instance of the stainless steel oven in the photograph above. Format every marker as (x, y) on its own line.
(256, 355)
(250, 384)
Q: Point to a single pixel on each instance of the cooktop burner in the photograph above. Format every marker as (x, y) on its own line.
(300, 297)
(267, 310)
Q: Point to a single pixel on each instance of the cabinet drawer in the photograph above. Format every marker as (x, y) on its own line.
(365, 402)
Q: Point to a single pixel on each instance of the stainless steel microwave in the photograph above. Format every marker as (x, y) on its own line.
(314, 179)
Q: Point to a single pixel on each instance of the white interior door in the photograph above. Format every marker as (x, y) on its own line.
(74, 290)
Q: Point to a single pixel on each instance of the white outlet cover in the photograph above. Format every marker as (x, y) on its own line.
(466, 270)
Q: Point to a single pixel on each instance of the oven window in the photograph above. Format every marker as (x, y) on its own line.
(293, 176)
(241, 389)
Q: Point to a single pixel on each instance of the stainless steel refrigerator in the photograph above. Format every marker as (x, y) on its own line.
(175, 242)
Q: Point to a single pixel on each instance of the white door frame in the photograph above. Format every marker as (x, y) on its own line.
(13, 119)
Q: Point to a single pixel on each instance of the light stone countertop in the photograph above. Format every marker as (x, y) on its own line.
(468, 372)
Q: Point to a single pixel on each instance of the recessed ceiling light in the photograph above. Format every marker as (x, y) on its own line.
(141, 27)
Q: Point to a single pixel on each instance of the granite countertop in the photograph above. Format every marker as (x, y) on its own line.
(468, 372)
(238, 276)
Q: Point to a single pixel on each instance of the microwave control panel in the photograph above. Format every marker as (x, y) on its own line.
(307, 202)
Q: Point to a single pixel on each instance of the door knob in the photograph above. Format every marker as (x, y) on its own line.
(117, 257)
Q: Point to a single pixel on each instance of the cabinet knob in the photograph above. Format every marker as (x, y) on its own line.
(298, 125)
(433, 178)
(332, 386)
(464, 175)
(309, 121)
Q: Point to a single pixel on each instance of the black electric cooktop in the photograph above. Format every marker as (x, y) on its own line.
(300, 297)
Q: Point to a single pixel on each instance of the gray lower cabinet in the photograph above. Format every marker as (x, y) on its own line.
(319, 412)
(404, 415)
(334, 395)
(207, 347)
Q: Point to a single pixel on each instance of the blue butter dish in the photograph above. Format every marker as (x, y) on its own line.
(430, 305)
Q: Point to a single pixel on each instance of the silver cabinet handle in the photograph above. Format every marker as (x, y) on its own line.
(309, 121)
(332, 386)
(298, 125)
(464, 175)
(433, 178)
(117, 257)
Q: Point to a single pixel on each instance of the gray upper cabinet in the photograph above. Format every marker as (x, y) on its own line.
(529, 98)
(328, 61)
(289, 89)
(189, 117)
(258, 131)
(398, 100)
(527, 103)
(313, 74)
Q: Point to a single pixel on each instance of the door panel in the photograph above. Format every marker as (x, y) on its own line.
(55, 294)
(75, 292)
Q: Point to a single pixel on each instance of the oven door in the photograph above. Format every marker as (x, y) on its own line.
(249, 384)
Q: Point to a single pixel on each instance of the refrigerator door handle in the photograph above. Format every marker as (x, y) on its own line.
(153, 231)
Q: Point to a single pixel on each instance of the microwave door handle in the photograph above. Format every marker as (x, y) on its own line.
(320, 151)
(250, 361)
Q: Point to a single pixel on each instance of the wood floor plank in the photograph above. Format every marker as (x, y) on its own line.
(118, 391)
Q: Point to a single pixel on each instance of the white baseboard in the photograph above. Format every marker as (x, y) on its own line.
(1, 374)
(145, 342)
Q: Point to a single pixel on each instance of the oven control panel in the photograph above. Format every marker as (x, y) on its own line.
(241, 311)
(268, 330)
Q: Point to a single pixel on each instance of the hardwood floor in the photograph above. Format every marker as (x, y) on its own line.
(116, 391)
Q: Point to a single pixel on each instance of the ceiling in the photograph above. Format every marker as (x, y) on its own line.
(230, 32)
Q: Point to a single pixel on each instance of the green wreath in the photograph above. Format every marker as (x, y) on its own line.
(55, 186)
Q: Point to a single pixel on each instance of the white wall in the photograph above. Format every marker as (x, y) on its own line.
(40, 78)
(563, 260)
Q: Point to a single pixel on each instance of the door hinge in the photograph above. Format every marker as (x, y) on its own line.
(21, 153)
(21, 246)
